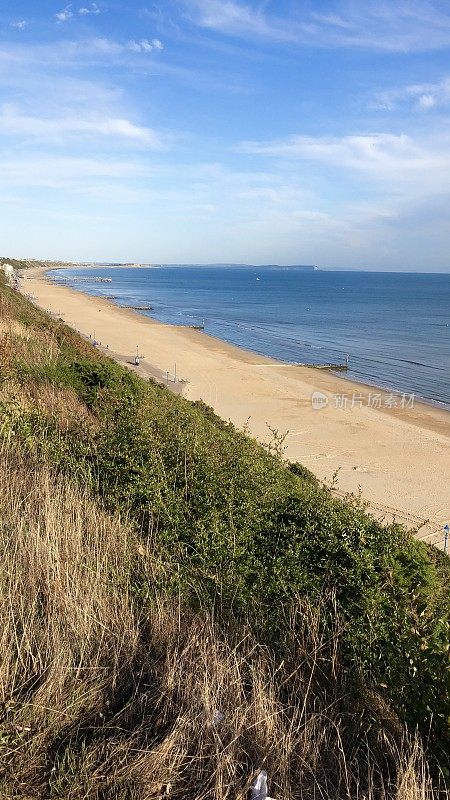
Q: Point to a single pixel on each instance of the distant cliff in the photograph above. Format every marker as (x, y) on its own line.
(307, 267)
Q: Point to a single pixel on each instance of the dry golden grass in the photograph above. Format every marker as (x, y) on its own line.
(29, 346)
(9, 326)
(68, 628)
(107, 692)
(60, 404)
(18, 343)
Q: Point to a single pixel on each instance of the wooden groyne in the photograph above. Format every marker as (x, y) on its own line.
(335, 367)
(342, 367)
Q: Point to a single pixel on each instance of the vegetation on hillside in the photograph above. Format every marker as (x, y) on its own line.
(21, 263)
(159, 567)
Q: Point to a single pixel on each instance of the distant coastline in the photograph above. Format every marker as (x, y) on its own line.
(150, 265)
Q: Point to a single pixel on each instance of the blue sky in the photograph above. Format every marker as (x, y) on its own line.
(216, 131)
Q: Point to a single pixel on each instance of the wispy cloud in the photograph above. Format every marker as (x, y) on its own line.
(64, 15)
(371, 24)
(67, 172)
(144, 45)
(395, 164)
(12, 121)
(238, 19)
(78, 52)
(20, 24)
(69, 12)
(422, 97)
(85, 11)
(35, 66)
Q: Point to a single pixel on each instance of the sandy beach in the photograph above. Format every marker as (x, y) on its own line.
(391, 449)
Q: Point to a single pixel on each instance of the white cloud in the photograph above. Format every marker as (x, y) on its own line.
(83, 52)
(370, 24)
(398, 168)
(67, 172)
(60, 128)
(235, 18)
(20, 24)
(65, 14)
(100, 46)
(427, 101)
(85, 11)
(349, 151)
(43, 64)
(144, 45)
(422, 97)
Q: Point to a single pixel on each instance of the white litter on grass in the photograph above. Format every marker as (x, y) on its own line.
(218, 718)
(8, 271)
(259, 788)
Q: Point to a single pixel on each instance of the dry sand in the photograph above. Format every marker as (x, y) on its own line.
(397, 458)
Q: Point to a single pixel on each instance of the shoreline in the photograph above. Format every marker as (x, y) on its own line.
(394, 457)
(369, 387)
(384, 388)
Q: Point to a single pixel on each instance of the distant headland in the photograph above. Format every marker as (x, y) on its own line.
(305, 267)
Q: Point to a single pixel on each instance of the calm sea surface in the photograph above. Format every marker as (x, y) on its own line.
(394, 327)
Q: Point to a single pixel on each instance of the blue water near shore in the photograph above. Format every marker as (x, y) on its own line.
(395, 327)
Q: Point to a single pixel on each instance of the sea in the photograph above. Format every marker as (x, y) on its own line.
(394, 327)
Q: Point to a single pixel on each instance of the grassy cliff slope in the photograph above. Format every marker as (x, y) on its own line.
(159, 567)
